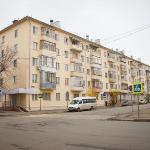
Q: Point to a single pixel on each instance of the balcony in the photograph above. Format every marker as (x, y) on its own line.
(47, 69)
(112, 80)
(133, 73)
(48, 86)
(75, 60)
(76, 73)
(96, 89)
(77, 88)
(76, 48)
(111, 59)
(96, 65)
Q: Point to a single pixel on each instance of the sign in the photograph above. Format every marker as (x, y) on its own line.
(130, 88)
(137, 88)
(40, 95)
(104, 95)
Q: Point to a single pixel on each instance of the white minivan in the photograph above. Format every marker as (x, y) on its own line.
(82, 103)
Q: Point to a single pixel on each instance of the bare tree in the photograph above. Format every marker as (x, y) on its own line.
(7, 59)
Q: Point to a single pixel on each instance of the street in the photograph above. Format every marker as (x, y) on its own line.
(74, 131)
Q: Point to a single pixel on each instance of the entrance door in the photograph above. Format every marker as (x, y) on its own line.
(14, 100)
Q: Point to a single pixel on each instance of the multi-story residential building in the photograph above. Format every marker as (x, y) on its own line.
(62, 66)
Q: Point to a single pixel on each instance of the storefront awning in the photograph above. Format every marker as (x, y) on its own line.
(23, 91)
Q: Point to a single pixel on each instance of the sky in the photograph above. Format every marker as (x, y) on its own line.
(100, 19)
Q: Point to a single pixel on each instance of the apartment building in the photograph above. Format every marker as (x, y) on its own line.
(62, 66)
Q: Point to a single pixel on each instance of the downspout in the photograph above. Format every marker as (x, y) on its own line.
(29, 44)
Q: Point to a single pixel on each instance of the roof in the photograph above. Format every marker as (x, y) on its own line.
(66, 32)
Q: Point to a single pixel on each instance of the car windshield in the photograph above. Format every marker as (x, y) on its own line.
(74, 102)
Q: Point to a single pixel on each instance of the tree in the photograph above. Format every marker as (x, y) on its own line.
(7, 60)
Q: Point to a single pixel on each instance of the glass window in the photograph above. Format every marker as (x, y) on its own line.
(34, 61)
(57, 96)
(46, 96)
(16, 33)
(35, 30)
(34, 97)
(66, 54)
(35, 45)
(34, 78)
(57, 80)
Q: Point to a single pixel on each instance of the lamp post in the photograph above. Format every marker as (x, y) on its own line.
(40, 95)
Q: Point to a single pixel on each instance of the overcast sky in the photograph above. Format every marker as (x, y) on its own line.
(100, 19)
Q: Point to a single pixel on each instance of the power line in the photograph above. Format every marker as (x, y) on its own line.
(125, 34)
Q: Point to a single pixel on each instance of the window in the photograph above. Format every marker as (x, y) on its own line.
(35, 45)
(57, 66)
(88, 60)
(47, 96)
(50, 77)
(57, 96)
(58, 51)
(66, 67)
(35, 30)
(3, 39)
(15, 47)
(105, 64)
(34, 61)
(105, 54)
(57, 80)
(67, 81)
(48, 45)
(82, 58)
(34, 78)
(106, 85)
(16, 33)
(14, 79)
(105, 75)
(34, 97)
(66, 40)
(1, 82)
(15, 63)
(89, 83)
(56, 37)
(88, 71)
(66, 54)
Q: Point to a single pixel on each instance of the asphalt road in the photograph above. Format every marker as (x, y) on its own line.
(88, 130)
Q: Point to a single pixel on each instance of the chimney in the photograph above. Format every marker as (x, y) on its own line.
(87, 37)
(51, 21)
(14, 21)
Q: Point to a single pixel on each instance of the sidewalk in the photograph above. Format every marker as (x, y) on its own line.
(144, 116)
(14, 114)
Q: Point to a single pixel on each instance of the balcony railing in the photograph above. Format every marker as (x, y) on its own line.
(76, 48)
(47, 69)
(77, 88)
(48, 85)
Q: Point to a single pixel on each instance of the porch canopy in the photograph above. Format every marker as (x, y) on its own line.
(23, 91)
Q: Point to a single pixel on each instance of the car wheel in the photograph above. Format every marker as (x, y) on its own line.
(78, 110)
(92, 108)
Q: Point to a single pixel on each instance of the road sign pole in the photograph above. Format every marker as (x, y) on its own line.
(132, 102)
(138, 107)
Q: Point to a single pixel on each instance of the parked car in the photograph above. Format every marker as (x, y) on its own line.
(143, 101)
(82, 103)
(126, 103)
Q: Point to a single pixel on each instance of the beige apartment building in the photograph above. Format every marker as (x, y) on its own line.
(62, 65)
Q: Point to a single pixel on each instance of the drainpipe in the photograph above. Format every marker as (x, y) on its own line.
(29, 44)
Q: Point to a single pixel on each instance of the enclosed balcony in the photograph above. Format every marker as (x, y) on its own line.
(77, 48)
(47, 64)
(77, 83)
(47, 80)
(48, 85)
(96, 61)
(111, 57)
(96, 86)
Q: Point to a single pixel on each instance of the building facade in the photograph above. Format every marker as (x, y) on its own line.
(62, 66)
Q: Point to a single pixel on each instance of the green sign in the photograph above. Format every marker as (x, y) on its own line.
(137, 88)
(40, 95)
